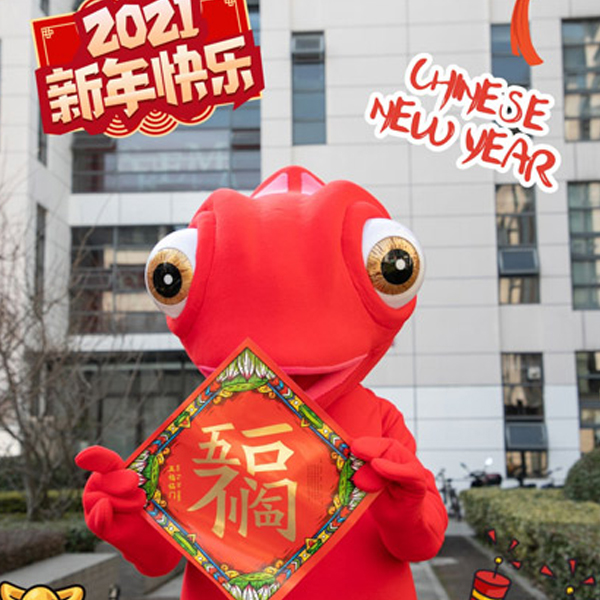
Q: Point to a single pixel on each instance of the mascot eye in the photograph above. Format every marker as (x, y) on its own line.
(394, 261)
(170, 270)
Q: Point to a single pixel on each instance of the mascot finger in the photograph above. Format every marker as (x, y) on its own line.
(100, 518)
(96, 458)
(116, 483)
(410, 476)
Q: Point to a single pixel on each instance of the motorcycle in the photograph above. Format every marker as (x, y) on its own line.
(481, 478)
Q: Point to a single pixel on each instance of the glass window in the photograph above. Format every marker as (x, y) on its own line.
(581, 65)
(308, 89)
(200, 157)
(134, 394)
(108, 293)
(519, 290)
(520, 465)
(42, 139)
(588, 385)
(505, 64)
(518, 262)
(584, 225)
(40, 256)
(523, 386)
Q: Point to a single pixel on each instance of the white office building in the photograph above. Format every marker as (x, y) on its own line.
(501, 358)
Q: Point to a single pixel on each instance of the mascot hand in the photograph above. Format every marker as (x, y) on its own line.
(113, 503)
(111, 497)
(389, 465)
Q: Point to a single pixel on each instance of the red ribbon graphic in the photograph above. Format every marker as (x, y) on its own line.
(520, 36)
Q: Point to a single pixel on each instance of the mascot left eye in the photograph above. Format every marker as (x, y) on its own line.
(393, 266)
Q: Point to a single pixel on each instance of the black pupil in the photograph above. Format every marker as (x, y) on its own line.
(397, 267)
(167, 280)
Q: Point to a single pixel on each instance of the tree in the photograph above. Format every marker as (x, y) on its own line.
(49, 397)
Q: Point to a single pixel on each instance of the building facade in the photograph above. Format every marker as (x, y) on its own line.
(501, 358)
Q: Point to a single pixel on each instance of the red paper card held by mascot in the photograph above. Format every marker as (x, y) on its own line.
(250, 479)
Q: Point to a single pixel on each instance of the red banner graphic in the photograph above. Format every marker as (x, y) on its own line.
(117, 67)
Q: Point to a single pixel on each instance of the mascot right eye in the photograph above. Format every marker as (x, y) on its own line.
(394, 261)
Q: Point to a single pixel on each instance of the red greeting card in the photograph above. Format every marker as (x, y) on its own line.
(250, 479)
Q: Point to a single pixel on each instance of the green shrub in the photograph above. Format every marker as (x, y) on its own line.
(14, 501)
(583, 480)
(20, 547)
(17, 536)
(79, 538)
(549, 527)
(9, 473)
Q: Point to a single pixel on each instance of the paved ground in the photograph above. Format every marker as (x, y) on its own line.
(457, 562)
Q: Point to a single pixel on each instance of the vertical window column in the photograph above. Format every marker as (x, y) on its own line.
(526, 437)
(42, 143)
(40, 257)
(308, 89)
(588, 385)
(581, 65)
(584, 226)
(518, 262)
(505, 64)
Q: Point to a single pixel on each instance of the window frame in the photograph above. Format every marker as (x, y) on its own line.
(503, 232)
(507, 386)
(583, 404)
(585, 91)
(97, 279)
(577, 257)
(298, 60)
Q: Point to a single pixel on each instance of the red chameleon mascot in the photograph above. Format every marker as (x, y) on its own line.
(322, 279)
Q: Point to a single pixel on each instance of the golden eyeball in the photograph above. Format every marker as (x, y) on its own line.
(393, 265)
(169, 276)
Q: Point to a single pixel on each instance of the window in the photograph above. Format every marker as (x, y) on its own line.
(588, 385)
(40, 257)
(518, 262)
(42, 143)
(523, 386)
(134, 394)
(525, 431)
(526, 464)
(581, 64)
(584, 226)
(108, 292)
(308, 88)
(505, 64)
(224, 151)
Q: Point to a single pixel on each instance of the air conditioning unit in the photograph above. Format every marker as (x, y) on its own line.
(518, 261)
(534, 373)
(308, 47)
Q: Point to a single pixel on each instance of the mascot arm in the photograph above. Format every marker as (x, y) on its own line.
(113, 503)
(410, 515)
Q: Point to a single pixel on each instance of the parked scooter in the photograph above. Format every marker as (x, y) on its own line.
(481, 478)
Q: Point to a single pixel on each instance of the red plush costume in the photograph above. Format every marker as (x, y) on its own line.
(321, 279)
